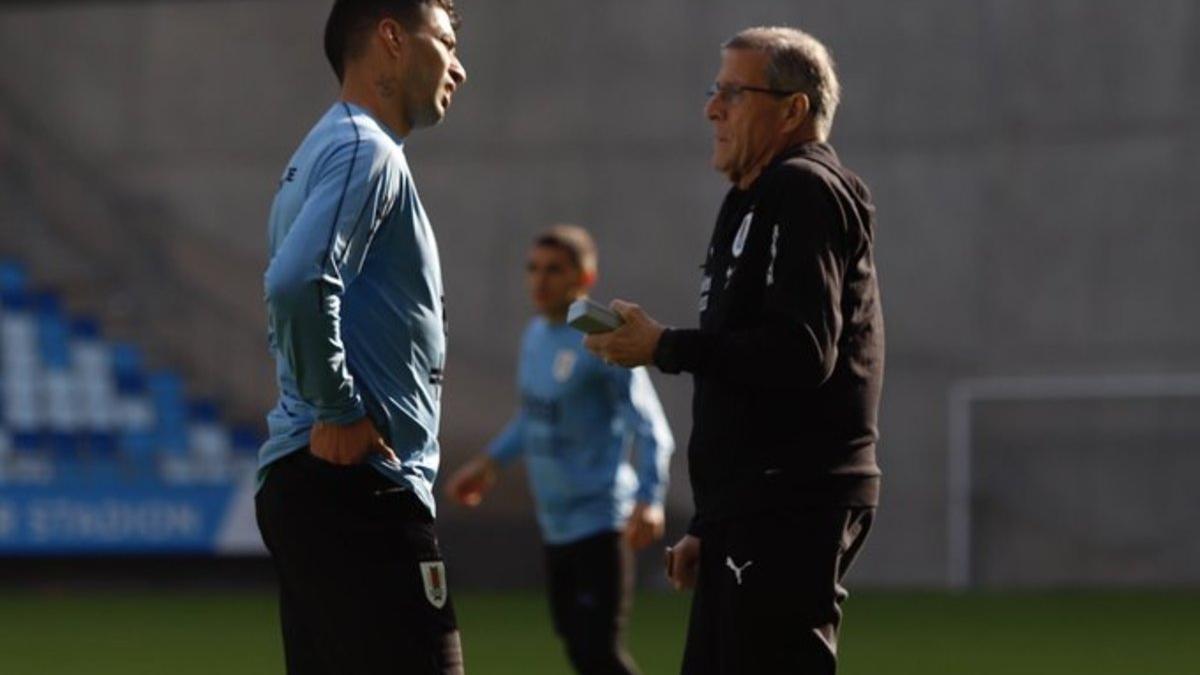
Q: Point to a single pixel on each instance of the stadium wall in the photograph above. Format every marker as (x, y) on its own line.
(1034, 164)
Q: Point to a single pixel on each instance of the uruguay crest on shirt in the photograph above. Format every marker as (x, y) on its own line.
(433, 575)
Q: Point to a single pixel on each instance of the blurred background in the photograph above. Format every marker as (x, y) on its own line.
(1035, 165)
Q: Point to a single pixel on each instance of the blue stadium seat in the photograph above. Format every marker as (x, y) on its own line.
(75, 407)
(53, 331)
(100, 445)
(62, 446)
(12, 276)
(208, 438)
(127, 368)
(27, 442)
(173, 440)
(203, 411)
(170, 411)
(139, 450)
(85, 327)
(15, 300)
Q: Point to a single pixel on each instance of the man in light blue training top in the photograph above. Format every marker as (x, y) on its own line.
(578, 423)
(357, 327)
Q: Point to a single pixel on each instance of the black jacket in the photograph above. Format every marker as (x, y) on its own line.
(788, 359)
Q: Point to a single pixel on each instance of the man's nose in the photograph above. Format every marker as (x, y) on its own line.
(714, 107)
(458, 73)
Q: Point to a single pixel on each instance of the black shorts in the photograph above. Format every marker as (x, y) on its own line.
(362, 584)
(769, 595)
(590, 583)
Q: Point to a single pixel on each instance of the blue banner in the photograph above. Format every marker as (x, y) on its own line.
(113, 519)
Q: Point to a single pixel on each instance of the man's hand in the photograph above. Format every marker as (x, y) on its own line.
(633, 343)
(645, 525)
(683, 562)
(468, 485)
(347, 444)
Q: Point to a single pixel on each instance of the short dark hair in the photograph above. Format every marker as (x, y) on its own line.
(575, 241)
(350, 20)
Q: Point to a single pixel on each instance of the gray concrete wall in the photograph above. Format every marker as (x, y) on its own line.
(1034, 164)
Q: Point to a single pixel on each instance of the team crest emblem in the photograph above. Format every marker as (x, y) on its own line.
(433, 574)
(743, 233)
(564, 364)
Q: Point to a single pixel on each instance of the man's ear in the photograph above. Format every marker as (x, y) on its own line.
(587, 279)
(797, 112)
(393, 35)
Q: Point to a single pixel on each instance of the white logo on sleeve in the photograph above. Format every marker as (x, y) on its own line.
(433, 574)
(564, 364)
(774, 252)
(743, 233)
(737, 571)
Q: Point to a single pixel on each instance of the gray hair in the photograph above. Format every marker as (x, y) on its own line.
(797, 61)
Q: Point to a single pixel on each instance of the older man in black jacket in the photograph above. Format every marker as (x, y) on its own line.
(788, 368)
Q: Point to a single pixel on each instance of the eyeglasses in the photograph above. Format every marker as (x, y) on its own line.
(732, 93)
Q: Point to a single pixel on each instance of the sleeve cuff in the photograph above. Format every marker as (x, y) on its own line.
(654, 497)
(678, 350)
(342, 417)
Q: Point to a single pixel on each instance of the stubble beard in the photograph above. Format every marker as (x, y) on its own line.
(429, 110)
(427, 115)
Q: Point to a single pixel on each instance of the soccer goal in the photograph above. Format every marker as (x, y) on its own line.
(1074, 481)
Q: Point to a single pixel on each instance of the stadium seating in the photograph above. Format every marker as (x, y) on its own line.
(76, 408)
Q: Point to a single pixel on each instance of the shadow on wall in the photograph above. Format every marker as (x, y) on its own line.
(169, 287)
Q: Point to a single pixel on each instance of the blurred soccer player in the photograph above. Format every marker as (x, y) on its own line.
(578, 420)
(356, 324)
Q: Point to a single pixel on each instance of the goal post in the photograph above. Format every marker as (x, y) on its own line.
(965, 396)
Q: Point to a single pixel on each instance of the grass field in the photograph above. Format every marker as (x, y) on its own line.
(886, 633)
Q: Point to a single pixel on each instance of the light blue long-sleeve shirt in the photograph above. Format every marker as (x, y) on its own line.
(354, 298)
(594, 436)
